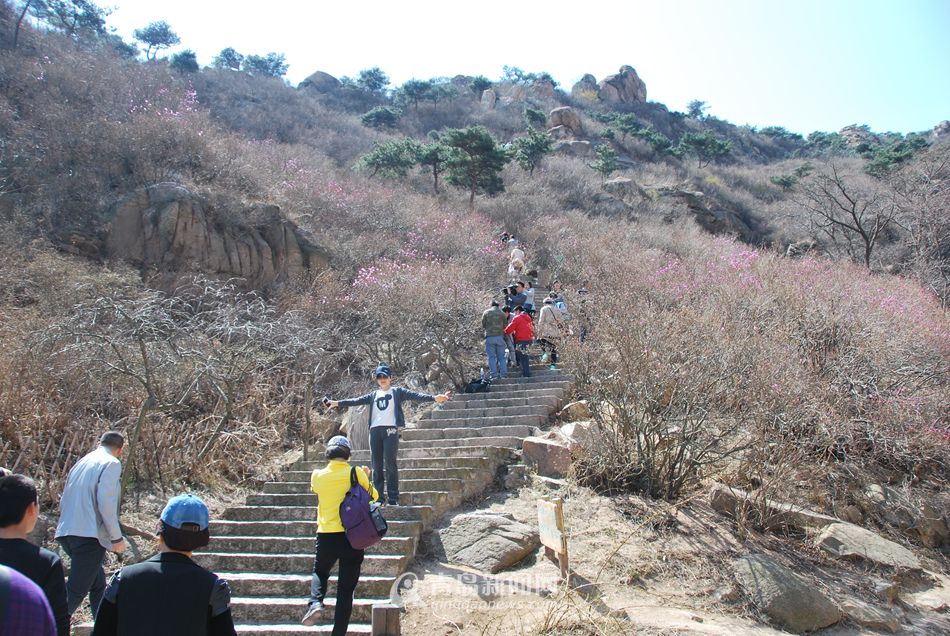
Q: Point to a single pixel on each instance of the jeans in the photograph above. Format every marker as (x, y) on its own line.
(510, 345)
(383, 445)
(521, 354)
(86, 575)
(495, 348)
(333, 546)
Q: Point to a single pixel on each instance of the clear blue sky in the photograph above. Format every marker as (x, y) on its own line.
(806, 65)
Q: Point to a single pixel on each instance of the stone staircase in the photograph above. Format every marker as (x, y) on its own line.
(265, 548)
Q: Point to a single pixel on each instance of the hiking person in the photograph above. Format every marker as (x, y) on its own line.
(516, 259)
(529, 297)
(24, 610)
(19, 510)
(518, 296)
(509, 340)
(550, 330)
(384, 421)
(494, 322)
(330, 484)
(557, 293)
(89, 520)
(522, 331)
(169, 593)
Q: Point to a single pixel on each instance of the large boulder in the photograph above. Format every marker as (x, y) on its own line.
(869, 616)
(942, 130)
(550, 457)
(575, 412)
(787, 598)
(170, 229)
(624, 87)
(488, 99)
(356, 425)
(624, 188)
(729, 501)
(859, 136)
(488, 542)
(320, 82)
(574, 148)
(586, 88)
(848, 541)
(567, 117)
(604, 204)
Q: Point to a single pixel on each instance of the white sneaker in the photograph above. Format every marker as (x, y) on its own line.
(313, 615)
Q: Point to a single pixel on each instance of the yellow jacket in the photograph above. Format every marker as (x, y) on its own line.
(330, 485)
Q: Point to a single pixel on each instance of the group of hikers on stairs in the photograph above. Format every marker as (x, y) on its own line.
(170, 593)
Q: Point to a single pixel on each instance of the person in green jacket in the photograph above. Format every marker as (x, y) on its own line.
(494, 322)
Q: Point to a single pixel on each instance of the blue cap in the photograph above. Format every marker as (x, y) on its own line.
(383, 370)
(185, 509)
(339, 440)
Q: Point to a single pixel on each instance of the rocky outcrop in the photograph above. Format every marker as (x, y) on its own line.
(549, 457)
(788, 599)
(730, 501)
(574, 148)
(575, 412)
(711, 216)
(320, 82)
(624, 87)
(488, 98)
(941, 131)
(489, 542)
(859, 136)
(568, 118)
(586, 88)
(869, 616)
(846, 540)
(171, 230)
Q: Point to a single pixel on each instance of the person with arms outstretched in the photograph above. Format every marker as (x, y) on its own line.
(384, 421)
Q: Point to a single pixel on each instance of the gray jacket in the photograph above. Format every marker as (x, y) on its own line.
(90, 503)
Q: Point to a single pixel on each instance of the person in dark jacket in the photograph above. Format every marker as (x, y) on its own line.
(169, 593)
(494, 322)
(19, 510)
(384, 421)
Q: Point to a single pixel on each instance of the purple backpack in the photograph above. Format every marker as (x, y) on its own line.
(362, 520)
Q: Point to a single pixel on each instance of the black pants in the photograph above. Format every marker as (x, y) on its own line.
(383, 446)
(86, 575)
(333, 546)
(549, 345)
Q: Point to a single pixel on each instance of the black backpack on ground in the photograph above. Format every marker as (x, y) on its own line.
(478, 386)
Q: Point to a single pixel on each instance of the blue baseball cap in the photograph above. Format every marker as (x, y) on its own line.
(184, 509)
(339, 440)
(383, 370)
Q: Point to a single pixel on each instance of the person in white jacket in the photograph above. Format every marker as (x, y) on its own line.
(89, 520)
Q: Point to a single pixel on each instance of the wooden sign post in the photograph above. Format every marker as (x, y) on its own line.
(553, 534)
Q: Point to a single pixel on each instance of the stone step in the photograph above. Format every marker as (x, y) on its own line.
(438, 472)
(505, 393)
(478, 411)
(275, 609)
(458, 432)
(298, 545)
(460, 460)
(438, 445)
(540, 381)
(491, 401)
(298, 585)
(405, 485)
(420, 451)
(407, 498)
(379, 564)
(480, 422)
(308, 528)
(309, 513)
